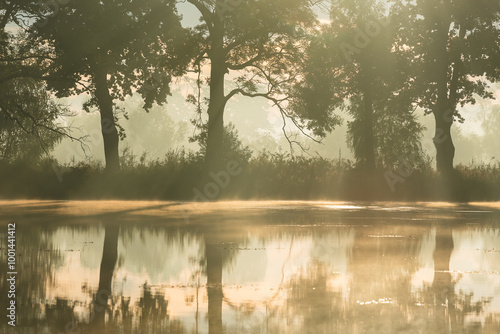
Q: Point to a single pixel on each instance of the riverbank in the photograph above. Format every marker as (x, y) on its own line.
(267, 177)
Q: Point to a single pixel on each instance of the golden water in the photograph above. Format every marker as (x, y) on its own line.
(253, 267)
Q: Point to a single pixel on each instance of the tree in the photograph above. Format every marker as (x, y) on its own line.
(20, 57)
(456, 55)
(352, 65)
(231, 147)
(28, 121)
(258, 45)
(15, 12)
(29, 124)
(110, 49)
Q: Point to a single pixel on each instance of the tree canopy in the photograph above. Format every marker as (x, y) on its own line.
(257, 47)
(110, 50)
(455, 56)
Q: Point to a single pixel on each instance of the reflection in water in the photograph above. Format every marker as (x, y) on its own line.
(214, 285)
(37, 257)
(334, 270)
(108, 263)
(443, 287)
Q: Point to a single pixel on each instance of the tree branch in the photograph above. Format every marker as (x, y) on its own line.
(284, 114)
(246, 64)
(453, 98)
(205, 13)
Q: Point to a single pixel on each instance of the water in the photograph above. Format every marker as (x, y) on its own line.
(253, 267)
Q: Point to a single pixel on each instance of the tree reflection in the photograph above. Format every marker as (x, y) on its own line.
(217, 256)
(214, 253)
(373, 296)
(108, 263)
(358, 280)
(148, 314)
(60, 316)
(311, 299)
(447, 309)
(382, 265)
(443, 286)
(36, 260)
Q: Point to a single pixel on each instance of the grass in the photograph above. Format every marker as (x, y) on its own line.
(266, 176)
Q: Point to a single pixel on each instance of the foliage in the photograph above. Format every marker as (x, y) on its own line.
(397, 135)
(29, 125)
(232, 148)
(259, 44)
(87, 36)
(266, 176)
(454, 47)
(352, 65)
(377, 62)
(466, 35)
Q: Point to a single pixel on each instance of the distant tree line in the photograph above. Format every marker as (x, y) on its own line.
(377, 61)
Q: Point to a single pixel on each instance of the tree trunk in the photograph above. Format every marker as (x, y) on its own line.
(108, 126)
(445, 150)
(213, 158)
(214, 286)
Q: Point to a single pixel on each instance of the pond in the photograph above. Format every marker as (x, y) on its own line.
(251, 267)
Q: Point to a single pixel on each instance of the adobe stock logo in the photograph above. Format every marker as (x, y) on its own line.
(212, 190)
(362, 39)
(221, 180)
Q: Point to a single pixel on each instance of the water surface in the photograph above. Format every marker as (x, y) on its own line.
(253, 267)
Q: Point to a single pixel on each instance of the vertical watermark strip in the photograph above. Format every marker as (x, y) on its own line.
(11, 273)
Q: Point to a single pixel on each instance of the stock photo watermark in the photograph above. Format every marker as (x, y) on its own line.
(211, 190)
(363, 38)
(11, 274)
